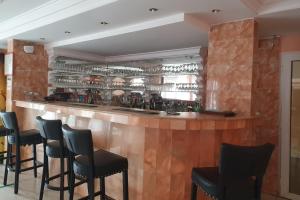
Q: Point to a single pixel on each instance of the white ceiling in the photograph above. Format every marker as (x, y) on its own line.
(281, 23)
(173, 36)
(132, 28)
(11, 8)
(127, 12)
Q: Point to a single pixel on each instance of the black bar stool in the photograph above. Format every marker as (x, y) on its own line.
(91, 164)
(54, 147)
(4, 132)
(239, 176)
(20, 138)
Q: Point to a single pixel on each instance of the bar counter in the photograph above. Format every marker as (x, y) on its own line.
(161, 149)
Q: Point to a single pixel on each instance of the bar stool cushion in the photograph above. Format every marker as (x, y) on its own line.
(27, 137)
(106, 163)
(53, 149)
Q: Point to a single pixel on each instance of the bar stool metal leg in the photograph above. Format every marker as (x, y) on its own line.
(17, 170)
(11, 156)
(102, 188)
(194, 192)
(91, 187)
(69, 170)
(125, 184)
(43, 175)
(72, 182)
(34, 160)
(47, 173)
(7, 163)
(62, 171)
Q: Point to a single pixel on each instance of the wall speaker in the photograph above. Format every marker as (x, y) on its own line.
(29, 49)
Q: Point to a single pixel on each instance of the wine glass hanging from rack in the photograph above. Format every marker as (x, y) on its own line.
(142, 70)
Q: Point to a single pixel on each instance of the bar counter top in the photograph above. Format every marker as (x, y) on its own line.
(184, 121)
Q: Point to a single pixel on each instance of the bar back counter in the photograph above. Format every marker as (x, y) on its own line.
(161, 149)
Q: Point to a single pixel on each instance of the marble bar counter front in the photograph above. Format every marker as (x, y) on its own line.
(161, 149)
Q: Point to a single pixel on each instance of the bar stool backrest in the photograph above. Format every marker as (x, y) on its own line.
(79, 142)
(240, 164)
(243, 161)
(10, 121)
(50, 129)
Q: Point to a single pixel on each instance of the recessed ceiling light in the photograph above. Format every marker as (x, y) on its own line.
(153, 9)
(103, 23)
(67, 32)
(215, 10)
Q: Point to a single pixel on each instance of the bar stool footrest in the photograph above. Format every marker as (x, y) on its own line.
(56, 176)
(97, 194)
(55, 188)
(13, 169)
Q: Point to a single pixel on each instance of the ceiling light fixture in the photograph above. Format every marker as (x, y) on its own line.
(215, 10)
(67, 32)
(103, 23)
(153, 9)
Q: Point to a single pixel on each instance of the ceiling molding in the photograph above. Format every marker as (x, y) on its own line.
(48, 13)
(119, 31)
(122, 58)
(254, 5)
(197, 22)
(261, 7)
(155, 55)
(279, 6)
(80, 55)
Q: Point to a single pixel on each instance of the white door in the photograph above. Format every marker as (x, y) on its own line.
(290, 126)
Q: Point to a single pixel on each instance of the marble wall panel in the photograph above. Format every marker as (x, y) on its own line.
(243, 75)
(30, 71)
(229, 66)
(204, 55)
(2, 82)
(265, 103)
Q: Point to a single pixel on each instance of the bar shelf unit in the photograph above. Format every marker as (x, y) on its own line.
(136, 77)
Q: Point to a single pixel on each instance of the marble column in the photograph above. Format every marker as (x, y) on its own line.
(229, 66)
(30, 71)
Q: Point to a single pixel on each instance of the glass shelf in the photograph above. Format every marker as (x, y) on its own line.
(102, 80)
(122, 88)
(97, 87)
(58, 72)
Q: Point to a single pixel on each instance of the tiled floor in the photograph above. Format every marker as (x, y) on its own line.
(29, 188)
(268, 197)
